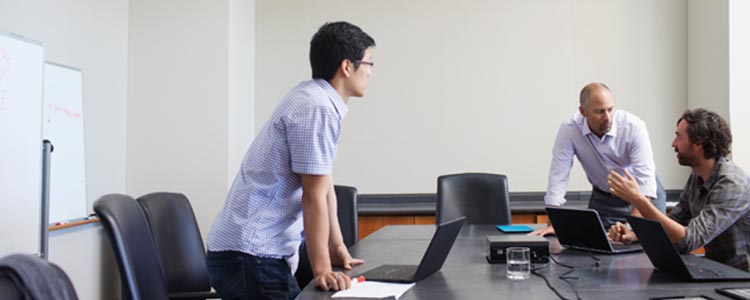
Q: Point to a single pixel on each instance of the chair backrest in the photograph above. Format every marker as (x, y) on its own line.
(137, 258)
(346, 205)
(482, 198)
(8, 289)
(178, 240)
(24, 276)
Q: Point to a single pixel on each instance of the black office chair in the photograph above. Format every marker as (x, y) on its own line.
(30, 277)
(178, 239)
(347, 212)
(127, 230)
(346, 205)
(482, 198)
(8, 289)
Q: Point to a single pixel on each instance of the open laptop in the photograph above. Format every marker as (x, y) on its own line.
(433, 259)
(665, 257)
(582, 229)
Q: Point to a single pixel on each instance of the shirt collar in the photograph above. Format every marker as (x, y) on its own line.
(334, 96)
(613, 130)
(585, 130)
(714, 173)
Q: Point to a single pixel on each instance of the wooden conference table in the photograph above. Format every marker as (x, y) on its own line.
(467, 275)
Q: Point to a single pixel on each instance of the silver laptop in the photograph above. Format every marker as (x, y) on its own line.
(582, 229)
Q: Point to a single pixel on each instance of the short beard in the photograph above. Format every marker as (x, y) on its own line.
(684, 160)
(605, 129)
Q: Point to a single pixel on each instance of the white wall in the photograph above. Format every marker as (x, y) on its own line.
(241, 106)
(719, 66)
(708, 55)
(190, 72)
(482, 85)
(739, 77)
(91, 35)
(84, 253)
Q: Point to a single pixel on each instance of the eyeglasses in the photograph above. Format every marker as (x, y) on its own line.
(369, 63)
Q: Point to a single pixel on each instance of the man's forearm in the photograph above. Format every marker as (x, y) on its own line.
(647, 209)
(636, 212)
(335, 238)
(316, 222)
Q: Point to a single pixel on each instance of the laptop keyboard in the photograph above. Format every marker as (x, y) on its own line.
(400, 273)
(619, 246)
(699, 272)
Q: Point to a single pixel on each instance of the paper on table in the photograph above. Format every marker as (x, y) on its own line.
(374, 289)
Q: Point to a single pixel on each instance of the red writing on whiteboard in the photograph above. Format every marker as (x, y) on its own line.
(54, 109)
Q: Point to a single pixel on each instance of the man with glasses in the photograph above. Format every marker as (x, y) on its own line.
(603, 139)
(286, 174)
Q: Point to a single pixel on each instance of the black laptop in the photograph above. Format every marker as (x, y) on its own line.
(582, 229)
(433, 259)
(665, 257)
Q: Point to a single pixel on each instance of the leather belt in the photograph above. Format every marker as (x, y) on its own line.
(598, 190)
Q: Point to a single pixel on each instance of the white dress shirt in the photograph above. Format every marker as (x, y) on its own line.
(625, 146)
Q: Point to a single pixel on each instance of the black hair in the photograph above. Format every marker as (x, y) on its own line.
(335, 42)
(709, 129)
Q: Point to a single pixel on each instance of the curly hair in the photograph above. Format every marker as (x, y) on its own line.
(709, 129)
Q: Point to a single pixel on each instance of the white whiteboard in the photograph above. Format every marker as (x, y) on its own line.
(63, 126)
(21, 69)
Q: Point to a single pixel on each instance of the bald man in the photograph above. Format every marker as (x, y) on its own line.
(603, 139)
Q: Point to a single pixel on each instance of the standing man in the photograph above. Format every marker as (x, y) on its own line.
(603, 139)
(284, 185)
(714, 207)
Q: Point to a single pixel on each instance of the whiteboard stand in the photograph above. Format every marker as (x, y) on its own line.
(47, 149)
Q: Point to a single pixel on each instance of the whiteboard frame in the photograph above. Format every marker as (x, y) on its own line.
(51, 221)
(33, 221)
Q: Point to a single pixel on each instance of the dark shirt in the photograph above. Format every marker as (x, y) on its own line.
(716, 215)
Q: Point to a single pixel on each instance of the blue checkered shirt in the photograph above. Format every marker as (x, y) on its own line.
(262, 215)
(716, 214)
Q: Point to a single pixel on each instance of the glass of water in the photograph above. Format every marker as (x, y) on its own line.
(519, 264)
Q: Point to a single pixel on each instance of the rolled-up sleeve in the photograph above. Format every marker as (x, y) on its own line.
(726, 203)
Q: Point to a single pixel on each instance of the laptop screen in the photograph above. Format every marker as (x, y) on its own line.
(658, 247)
(578, 228)
(440, 246)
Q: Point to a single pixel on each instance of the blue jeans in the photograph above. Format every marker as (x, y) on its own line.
(237, 275)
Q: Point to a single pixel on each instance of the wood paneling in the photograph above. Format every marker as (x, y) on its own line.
(424, 220)
(529, 218)
(369, 224)
(541, 219)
